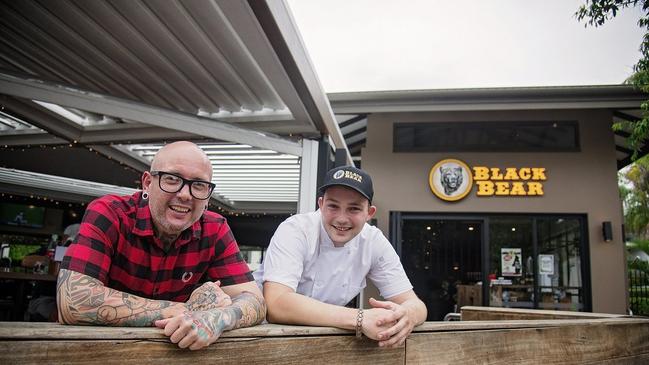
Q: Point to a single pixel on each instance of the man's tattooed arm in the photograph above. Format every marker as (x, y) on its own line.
(82, 299)
(195, 330)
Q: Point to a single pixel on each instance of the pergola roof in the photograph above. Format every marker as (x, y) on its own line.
(122, 77)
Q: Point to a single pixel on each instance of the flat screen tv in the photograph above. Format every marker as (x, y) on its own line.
(22, 215)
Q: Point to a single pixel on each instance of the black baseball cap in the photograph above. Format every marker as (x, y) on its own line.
(350, 177)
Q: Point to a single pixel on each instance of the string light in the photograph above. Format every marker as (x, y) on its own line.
(222, 210)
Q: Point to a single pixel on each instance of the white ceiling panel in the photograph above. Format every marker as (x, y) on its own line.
(244, 173)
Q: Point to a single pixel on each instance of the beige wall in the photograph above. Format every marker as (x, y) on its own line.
(579, 182)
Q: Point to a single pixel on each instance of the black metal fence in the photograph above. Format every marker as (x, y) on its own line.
(639, 292)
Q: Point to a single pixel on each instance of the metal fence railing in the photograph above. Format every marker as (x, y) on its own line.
(639, 292)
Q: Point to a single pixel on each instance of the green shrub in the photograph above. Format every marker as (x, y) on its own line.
(639, 265)
(641, 308)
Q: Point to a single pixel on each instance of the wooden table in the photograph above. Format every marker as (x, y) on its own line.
(22, 278)
(556, 341)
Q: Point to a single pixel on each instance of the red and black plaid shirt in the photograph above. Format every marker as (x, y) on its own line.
(117, 246)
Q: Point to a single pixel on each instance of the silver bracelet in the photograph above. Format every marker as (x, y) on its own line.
(359, 323)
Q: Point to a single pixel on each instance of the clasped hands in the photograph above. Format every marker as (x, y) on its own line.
(387, 322)
(193, 324)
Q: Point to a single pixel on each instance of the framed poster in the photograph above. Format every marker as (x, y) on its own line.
(546, 264)
(510, 261)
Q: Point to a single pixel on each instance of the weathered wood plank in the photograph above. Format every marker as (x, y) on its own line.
(642, 359)
(578, 343)
(276, 350)
(55, 331)
(494, 314)
(516, 324)
(601, 340)
(43, 331)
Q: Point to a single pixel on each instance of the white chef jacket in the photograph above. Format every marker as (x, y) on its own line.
(302, 256)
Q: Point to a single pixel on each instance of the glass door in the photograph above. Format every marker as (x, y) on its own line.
(559, 268)
(538, 262)
(442, 258)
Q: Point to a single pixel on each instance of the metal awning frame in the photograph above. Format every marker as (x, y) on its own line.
(33, 89)
(22, 92)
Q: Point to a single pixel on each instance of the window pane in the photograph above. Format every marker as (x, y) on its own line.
(560, 281)
(511, 274)
(541, 136)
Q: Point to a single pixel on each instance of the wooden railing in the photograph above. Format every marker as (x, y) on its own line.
(590, 338)
(501, 314)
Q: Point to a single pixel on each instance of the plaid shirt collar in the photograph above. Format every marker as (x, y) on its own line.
(144, 224)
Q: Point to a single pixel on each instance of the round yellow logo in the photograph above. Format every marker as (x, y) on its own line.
(450, 179)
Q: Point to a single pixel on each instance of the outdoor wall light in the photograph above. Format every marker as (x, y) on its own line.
(607, 231)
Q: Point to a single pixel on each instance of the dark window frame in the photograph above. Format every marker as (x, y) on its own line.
(576, 147)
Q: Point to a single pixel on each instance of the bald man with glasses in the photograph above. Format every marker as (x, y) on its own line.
(160, 258)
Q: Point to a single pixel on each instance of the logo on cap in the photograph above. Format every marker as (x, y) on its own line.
(347, 175)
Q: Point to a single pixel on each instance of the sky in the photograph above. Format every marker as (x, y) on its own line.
(369, 45)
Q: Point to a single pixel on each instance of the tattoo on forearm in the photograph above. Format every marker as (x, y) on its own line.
(249, 310)
(85, 300)
(246, 310)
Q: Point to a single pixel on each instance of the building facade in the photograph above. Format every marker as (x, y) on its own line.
(501, 200)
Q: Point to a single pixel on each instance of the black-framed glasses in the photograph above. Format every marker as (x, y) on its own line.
(172, 183)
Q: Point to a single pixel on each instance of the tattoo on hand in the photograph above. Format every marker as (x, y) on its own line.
(208, 296)
(246, 310)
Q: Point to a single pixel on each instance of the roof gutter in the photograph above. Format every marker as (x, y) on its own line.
(514, 98)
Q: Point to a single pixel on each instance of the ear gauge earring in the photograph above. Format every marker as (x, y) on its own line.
(145, 195)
